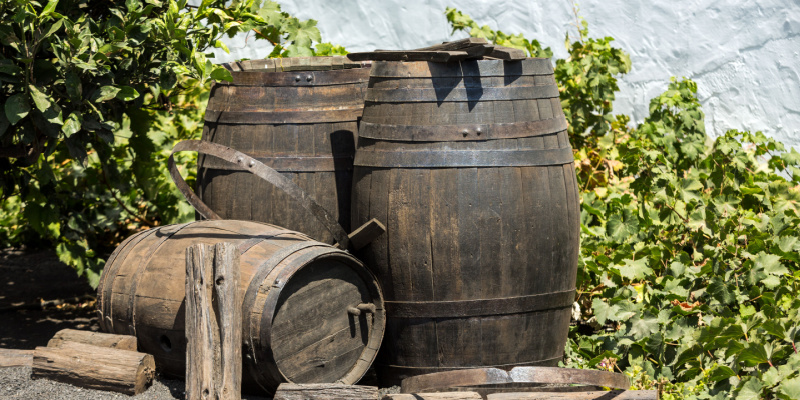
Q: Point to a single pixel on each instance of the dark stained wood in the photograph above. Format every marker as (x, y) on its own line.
(325, 391)
(507, 53)
(596, 395)
(294, 298)
(303, 123)
(485, 226)
(94, 367)
(15, 358)
(122, 342)
(202, 332)
(411, 55)
(366, 233)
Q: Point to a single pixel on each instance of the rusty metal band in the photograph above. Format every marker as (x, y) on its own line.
(397, 69)
(137, 275)
(270, 305)
(462, 158)
(262, 171)
(292, 164)
(462, 132)
(253, 77)
(480, 307)
(249, 303)
(110, 272)
(447, 94)
(496, 376)
(283, 117)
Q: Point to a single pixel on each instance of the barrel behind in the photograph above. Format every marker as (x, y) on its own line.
(296, 115)
(470, 166)
(296, 294)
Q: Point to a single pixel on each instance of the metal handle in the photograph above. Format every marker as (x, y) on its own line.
(264, 172)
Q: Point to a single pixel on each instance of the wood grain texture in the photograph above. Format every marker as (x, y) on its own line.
(93, 367)
(325, 391)
(303, 123)
(612, 395)
(459, 232)
(122, 342)
(229, 310)
(16, 358)
(202, 333)
(301, 320)
(434, 396)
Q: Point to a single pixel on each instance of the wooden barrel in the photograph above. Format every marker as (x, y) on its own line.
(296, 115)
(470, 167)
(296, 293)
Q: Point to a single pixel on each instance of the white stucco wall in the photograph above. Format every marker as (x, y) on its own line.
(743, 54)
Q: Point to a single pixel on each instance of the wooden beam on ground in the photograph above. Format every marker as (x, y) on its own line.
(94, 367)
(325, 391)
(122, 342)
(434, 396)
(598, 395)
(15, 358)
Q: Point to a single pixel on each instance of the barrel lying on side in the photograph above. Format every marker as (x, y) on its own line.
(470, 167)
(299, 298)
(296, 115)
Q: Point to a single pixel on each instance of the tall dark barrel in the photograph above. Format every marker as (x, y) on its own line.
(296, 293)
(296, 115)
(470, 167)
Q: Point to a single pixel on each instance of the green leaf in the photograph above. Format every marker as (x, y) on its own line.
(49, 8)
(634, 270)
(621, 227)
(770, 263)
(751, 390)
(720, 372)
(41, 100)
(604, 312)
(754, 354)
(72, 125)
(105, 93)
(302, 33)
(221, 74)
(127, 93)
(790, 388)
(17, 108)
(643, 326)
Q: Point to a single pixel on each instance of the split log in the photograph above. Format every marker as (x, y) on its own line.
(213, 350)
(121, 342)
(598, 395)
(93, 367)
(434, 396)
(15, 358)
(325, 391)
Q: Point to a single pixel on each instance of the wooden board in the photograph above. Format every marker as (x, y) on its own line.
(434, 396)
(325, 391)
(614, 394)
(93, 367)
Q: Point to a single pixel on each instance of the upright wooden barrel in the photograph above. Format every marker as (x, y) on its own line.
(296, 294)
(296, 115)
(470, 167)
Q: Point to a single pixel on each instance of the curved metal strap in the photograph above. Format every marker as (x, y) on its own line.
(480, 307)
(494, 376)
(283, 117)
(462, 158)
(292, 164)
(262, 77)
(259, 169)
(463, 132)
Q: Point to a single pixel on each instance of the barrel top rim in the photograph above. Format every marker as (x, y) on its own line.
(482, 68)
(294, 64)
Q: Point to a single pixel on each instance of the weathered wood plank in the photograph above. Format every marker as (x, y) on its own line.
(122, 342)
(406, 55)
(229, 301)
(325, 391)
(434, 396)
(94, 367)
(15, 358)
(612, 395)
(202, 336)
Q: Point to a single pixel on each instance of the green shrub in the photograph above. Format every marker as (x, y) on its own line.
(688, 269)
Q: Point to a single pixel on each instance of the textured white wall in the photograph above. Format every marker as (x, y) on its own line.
(743, 54)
